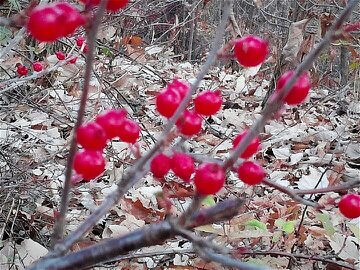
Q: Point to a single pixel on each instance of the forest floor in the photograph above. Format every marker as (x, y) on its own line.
(315, 145)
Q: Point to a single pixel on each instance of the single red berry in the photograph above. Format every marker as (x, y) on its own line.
(111, 121)
(60, 55)
(91, 136)
(80, 41)
(112, 6)
(43, 24)
(298, 91)
(22, 70)
(167, 101)
(251, 50)
(183, 166)
(251, 149)
(160, 165)
(189, 123)
(181, 87)
(73, 60)
(129, 131)
(86, 48)
(37, 66)
(349, 205)
(251, 173)
(89, 164)
(208, 102)
(69, 18)
(116, 5)
(209, 178)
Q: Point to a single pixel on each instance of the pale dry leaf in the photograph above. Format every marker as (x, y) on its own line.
(309, 180)
(294, 40)
(281, 153)
(30, 251)
(345, 245)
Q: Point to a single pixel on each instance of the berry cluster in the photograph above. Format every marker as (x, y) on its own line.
(207, 103)
(93, 137)
(50, 22)
(209, 178)
(22, 70)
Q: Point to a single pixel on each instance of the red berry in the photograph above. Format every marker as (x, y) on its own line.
(91, 136)
(89, 164)
(73, 60)
(50, 22)
(189, 123)
(43, 23)
(37, 66)
(69, 18)
(22, 70)
(299, 90)
(113, 5)
(160, 165)
(60, 55)
(251, 173)
(251, 50)
(349, 205)
(86, 48)
(183, 166)
(251, 149)
(167, 101)
(209, 178)
(180, 87)
(208, 102)
(129, 131)
(111, 121)
(80, 41)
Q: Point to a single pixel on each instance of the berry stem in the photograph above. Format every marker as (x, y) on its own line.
(60, 224)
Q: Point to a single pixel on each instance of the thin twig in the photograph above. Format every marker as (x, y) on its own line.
(345, 186)
(299, 256)
(59, 225)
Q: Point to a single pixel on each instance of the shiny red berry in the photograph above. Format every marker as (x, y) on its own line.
(80, 41)
(251, 173)
(251, 149)
(183, 166)
(43, 23)
(129, 131)
(73, 60)
(189, 123)
(86, 48)
(89, 164)
(69, 18)
(298, 91)
(181, 87)
(349, 205)
(167, 101)
(37, 66)
(22, 70)
(112, 6)
(160, 165)
(209, 178)
(91, 136)
(52, 21)
(251, 50)
(60, 55)
(111, 121)
(208, 102)
(116, 5)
